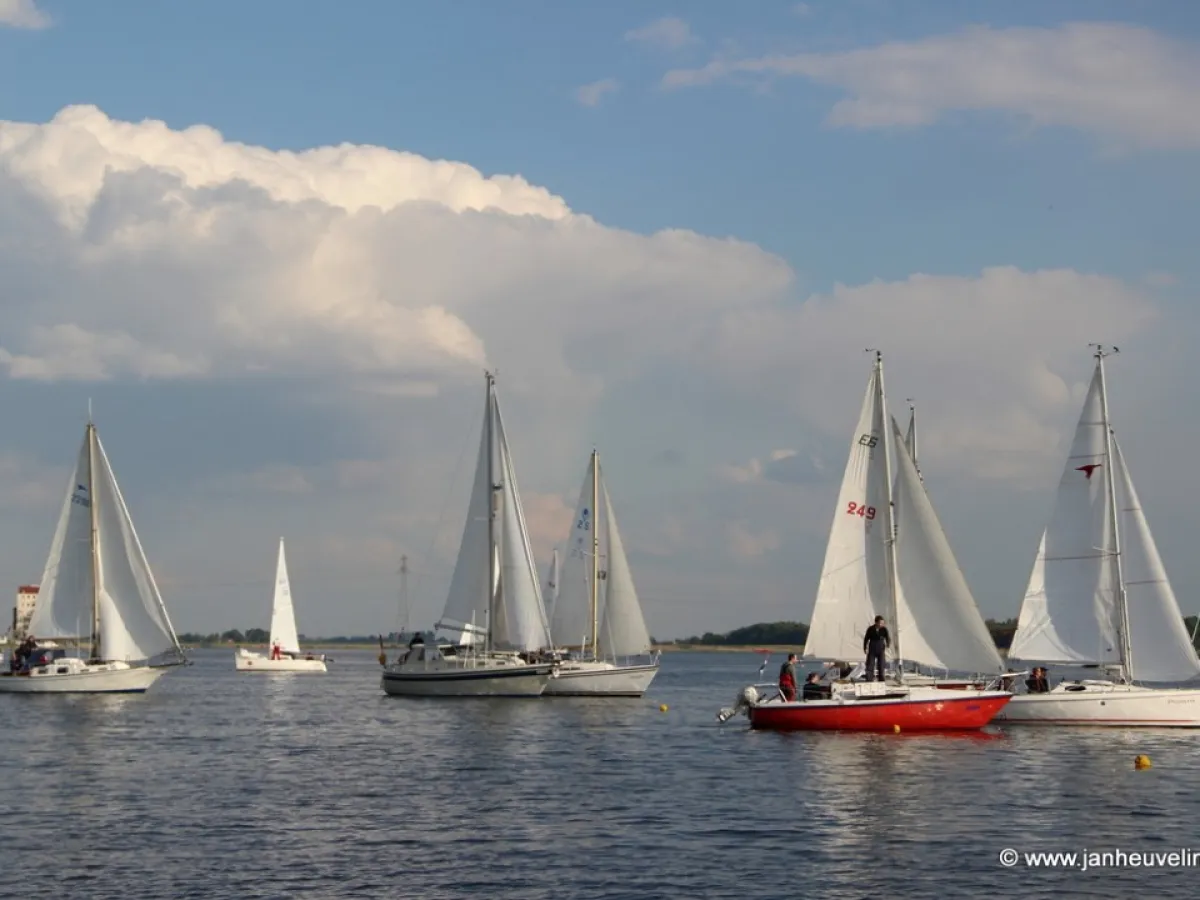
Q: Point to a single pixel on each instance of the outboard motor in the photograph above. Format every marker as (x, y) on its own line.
(747, 698)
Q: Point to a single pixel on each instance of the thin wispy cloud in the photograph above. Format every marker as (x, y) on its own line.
(592, 94)
(802, 10)
(23, 14)
(1129, 84)
(667, 33)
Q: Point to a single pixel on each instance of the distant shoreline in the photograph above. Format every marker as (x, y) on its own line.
(665, 648)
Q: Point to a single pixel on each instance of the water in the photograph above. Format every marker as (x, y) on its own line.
(219, 785)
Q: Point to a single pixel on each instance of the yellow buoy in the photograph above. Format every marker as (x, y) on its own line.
(896, 729)
(1141, 761)
(662, 708)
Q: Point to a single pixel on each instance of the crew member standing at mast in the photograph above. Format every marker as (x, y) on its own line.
(875, 643)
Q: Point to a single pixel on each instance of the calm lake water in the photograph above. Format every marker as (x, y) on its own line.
(219, 785)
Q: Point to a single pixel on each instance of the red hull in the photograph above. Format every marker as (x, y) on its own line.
(965, 713)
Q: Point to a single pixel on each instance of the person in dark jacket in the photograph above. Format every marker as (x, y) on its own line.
(1037, 682)
(787, 678)
(875, 643)
(813, 689)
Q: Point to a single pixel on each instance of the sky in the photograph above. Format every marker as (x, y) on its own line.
(276, 245)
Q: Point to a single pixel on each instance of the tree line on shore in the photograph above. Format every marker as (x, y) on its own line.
(796, 633)
(763, 633)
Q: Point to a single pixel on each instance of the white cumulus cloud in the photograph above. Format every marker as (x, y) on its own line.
(669, 32)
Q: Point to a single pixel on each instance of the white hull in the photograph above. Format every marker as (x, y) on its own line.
(467, 677)
(80, 678)
(256, 662)
(1105, 703)
(601, 679)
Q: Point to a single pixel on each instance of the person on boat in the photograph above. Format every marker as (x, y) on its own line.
(787, 678)
(876, 642)
(276, 653)
(1037, 682)
(814, 690)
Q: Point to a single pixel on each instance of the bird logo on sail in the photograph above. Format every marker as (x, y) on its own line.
(1088, 469)
(79, 495)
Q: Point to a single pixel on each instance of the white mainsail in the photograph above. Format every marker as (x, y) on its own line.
(97, 580)
(1070, 612)
(283, 613)
(854, 577)
(571, 622)
(623, 629)
(506, 607)
(1088, 577)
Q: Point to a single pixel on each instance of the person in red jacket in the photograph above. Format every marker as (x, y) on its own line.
(787, 678)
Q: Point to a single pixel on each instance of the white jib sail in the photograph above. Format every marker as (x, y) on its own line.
(283, 613)
(623, 630)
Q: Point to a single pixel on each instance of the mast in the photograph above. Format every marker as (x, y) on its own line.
(404, 593)
(1110, 482)
(595, 599)
(95, 546)
(890, 522)
(492, 499)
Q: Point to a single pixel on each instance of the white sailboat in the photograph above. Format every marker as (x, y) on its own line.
(284, 654)
(1098, 595)
(612, 647)
(97, 582)
(887, 554)
(494, 583)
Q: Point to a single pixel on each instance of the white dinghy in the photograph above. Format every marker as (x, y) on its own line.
(284, 654)
(1099, 596)
(615, 658)
(494, 583)
(97, 582)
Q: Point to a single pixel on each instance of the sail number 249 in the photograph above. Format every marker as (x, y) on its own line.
(855, 509)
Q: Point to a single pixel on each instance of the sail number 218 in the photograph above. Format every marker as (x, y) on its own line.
(854, 509)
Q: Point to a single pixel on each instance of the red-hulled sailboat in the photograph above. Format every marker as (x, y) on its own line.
(887, 551)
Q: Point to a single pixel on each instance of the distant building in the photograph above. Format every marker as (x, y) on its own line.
(27, 596)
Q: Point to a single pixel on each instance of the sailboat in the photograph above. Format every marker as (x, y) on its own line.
(97, 582)
(608, 646)
(871, 564)
(284, 643)
(1098, 595)
(495, 602)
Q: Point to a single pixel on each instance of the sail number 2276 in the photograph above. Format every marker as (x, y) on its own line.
(855, 509)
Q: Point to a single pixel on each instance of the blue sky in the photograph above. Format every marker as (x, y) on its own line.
(848, 148)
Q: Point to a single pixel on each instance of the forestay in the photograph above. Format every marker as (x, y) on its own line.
(283, 614)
